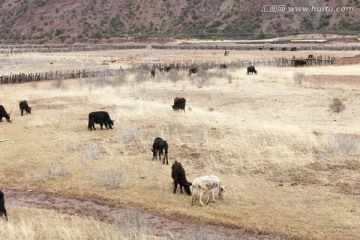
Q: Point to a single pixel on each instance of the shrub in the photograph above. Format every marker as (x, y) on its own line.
(129, 134)
(58, 83)
(51, 173)
(176, 129)
(299, 77)
(229, 78)
(337, 105)
(111, 178)
(341, 143)
(174, 76)
(141, 76)
(133, 225)
(89, 151)
(202, 78)
(120, 80)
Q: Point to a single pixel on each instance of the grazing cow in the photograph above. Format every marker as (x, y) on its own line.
(226, 53)
(23, 105)
(271, 49)
(2, 206)
(160, 147)
(167, 68)
(178, 174)
(4, 114)
(293, 49)
(251, 69)
(179, 104)
(101, 118)
(260, 48)
(152, 71)
(283, 49)
(223, 66)
(207, 184)
(311, 56)
(193, 70)
(299, 63)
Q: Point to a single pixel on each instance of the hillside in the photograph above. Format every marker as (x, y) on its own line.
(96, 21)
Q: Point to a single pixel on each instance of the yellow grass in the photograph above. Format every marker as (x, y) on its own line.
(290, 164)
(36, 224)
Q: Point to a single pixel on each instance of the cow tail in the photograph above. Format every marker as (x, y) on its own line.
(89, 124)
(166, 154)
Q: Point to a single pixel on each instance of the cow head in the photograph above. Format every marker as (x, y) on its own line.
(8, 117)
(187, 188)
(111, 124)
(28, 109)
(222, 192)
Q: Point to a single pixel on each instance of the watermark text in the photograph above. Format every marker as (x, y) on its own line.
(283, 8)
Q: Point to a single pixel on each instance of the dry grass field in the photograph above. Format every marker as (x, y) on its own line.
(289, 162)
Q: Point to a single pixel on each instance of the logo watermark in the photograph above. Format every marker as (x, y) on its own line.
(283, 8)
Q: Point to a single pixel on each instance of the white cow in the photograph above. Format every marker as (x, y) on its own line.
(207, 184)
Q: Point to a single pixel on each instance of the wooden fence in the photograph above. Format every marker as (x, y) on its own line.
(78, 74)
(16, 49)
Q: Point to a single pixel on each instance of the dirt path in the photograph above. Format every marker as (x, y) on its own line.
(175, 228)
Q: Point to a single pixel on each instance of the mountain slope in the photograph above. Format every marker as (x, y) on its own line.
(72, 21)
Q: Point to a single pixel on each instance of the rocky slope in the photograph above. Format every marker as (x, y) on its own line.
(96, 21)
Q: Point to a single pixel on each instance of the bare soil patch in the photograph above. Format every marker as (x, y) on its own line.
(333, 79)
(173, 227)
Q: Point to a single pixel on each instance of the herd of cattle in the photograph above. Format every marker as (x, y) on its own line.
(194, 69)
(210, 185)
(250, 69)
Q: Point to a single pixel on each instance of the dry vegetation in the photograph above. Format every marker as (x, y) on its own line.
(31, 223)
(290, 164)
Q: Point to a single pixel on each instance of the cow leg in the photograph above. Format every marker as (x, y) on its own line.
(154, 154)
(22, 112)
(175, 186)
(106, 126)
(91, 125)
(166, 159)
(101, 125)
(181, 189)
(211, 197)
(200, 196)
(195, 196)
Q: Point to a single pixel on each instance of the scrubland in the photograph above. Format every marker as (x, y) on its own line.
(289, 162)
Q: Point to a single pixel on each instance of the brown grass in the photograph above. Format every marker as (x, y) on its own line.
(30, 223)
(284, 157)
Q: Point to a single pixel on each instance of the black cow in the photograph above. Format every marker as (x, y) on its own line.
(299, 63)
(23, 105)
(178, 174)
(152, 72)
(311, 56)
(226, 53)
(2, 206)
(167, 68)
(160, 147)
(4, 114)
(293, 49)
(223, 66)
(283, 49)
(271, 49)
(179, 104)
(251, 69)
(101, 118)
(193, 70)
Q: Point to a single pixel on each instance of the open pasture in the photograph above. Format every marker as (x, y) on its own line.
(290, 164)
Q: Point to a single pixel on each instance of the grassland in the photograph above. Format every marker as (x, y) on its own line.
(290, 164)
